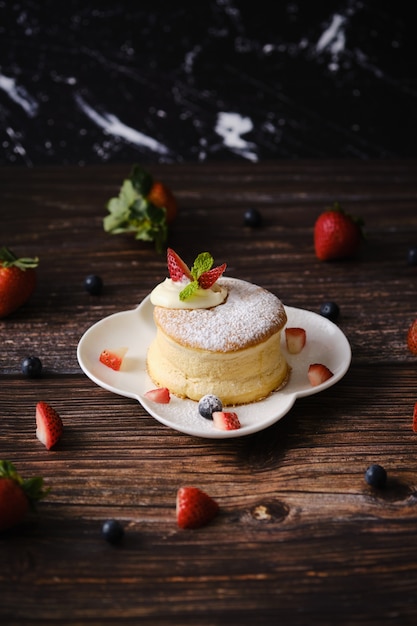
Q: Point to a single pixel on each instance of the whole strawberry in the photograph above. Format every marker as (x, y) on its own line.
(412, 337)
(17, 496)
(337, 235)
(17, 281)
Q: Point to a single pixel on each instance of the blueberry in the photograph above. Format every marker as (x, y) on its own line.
(412, 256)
(208, 405)
(330, 310)
(32, 367)
(112, 531)
(376, 476)
(252, 218)
(93, 284)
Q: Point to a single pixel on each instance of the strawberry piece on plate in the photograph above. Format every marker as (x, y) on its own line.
(49, 427)
(318, 374)
(160, 395)
(295, 339)
(194, 507)
(226, 420)
(113, 358)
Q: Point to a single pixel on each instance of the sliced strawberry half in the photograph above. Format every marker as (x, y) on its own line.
(295, 339)
(194, 508)
(160, 395)
(176, 267)
(49, 426)
(226, 420)
(113, 358)
(207, 279)
(318, 374)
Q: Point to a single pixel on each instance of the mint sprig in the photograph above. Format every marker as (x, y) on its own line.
(132, 212)
(203, 263)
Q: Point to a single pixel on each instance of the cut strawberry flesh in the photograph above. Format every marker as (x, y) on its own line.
(295, 339)
(226, 420)
(160, 395)
(113, 358)
(318, 374)
(49, 427)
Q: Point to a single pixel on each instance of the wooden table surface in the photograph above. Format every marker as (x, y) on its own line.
(300, 537)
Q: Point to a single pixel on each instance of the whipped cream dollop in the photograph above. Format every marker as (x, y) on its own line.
(167, 295)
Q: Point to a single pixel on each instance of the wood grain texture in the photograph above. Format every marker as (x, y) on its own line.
(300, 538)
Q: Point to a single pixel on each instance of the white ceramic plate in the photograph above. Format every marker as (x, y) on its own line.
(135, 329)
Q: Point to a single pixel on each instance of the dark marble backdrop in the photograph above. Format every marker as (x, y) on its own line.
(158, 81)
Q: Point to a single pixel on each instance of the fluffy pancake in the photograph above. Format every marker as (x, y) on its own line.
(232, 350)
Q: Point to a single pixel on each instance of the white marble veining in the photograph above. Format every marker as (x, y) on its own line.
(86, 82)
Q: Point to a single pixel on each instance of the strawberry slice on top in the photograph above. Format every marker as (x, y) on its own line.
(207, 279)
(177, 268)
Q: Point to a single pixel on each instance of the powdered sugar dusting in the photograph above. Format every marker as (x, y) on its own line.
(249, 315)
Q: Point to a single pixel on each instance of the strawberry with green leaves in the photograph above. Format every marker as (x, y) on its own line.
(17, 280)
(202, 274)
(144, 207)
(17, 496)
(337, 235)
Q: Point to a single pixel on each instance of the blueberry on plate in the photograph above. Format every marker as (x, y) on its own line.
(32, 366)
(93, 284)
(376, 476)
(412, 256)
(330, 310)
(252, 218)
(112, 531)
(208, 405)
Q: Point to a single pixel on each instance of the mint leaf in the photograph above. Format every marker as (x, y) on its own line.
(203, 263)
(141, 180)
(132, 212)
(189, 290)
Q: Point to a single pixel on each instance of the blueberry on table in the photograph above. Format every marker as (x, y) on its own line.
(93, 284)
(208, 405)
(32, 366)
(376, 476)
(412, 256)
(330, 310)
(252, 218)
(112, 531)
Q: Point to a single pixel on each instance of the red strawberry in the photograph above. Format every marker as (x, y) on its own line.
(295, 339)
(207, 279)
(160, 395)
(337, 235)
(415, 418)
(113, 358)
(226, 420)
(412, 337)
(17, 281)
(17, 495)
(49, 425)
(176, 267)
(194, 507)
(161, 196)
(318, 374)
